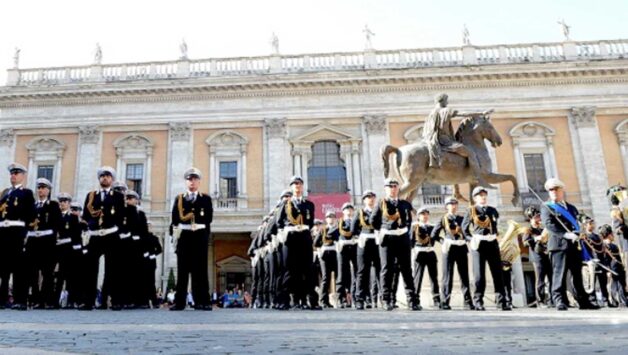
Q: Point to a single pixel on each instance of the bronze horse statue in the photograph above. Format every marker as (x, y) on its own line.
(411, 165)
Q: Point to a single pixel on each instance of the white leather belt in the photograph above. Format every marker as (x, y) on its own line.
(103, 232)
(346, 242)
(124, 235)
(64, 241)
(477, 238)
(146, 254)
(398, 231)
(77, 247)
(367, 235)
(299, 228)
(8, 223)
(152, 257)
(422, 249)
(135, 237)
(191, 227)
(328, 248)
(447, 243)
(36, 234)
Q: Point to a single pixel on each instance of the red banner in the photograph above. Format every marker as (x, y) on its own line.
(328, 202)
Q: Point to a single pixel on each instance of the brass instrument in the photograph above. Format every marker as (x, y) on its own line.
(509, 244)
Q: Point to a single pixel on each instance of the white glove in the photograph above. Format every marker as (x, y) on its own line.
(570, 236)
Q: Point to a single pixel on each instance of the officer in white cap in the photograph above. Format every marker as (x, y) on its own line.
(560, 219)
(480, 227)
(17, 211)
(424, 255)
(392, 217)
(42, 237)
(192, 215)
(454, 254)
(367, 287)
(296, 218)
(69, 253)
(104, 215)
(347, 257)
(325, 242)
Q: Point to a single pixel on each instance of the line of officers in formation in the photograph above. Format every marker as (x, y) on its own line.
(48, 246)
(368, 249)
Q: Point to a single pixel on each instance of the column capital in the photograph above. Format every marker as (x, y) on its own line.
(7, 137)
(180, 131)
(582, 116)
(89, 134)
(276, 127)
(375, 124)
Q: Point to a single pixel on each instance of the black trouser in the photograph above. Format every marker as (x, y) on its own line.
(269, 277)
(347, 268)
(329, 264)
(374, 283)
(40, 259)
(192, 261)
(426, 260)
(13, 262)
(257, 288)
(129, 267)
(542, 271)
(507, 280)
(618, 286)
(457, 255)
(148, 292)
(396, 248)
(368, 259)
(488, 252)
(278, 274)
(68, 261)
(109, 246)
(297, 267)
(563, 261)
(602, 278)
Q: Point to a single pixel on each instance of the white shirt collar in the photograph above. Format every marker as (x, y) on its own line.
(17, 186)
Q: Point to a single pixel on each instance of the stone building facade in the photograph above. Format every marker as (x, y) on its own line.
(250, 123)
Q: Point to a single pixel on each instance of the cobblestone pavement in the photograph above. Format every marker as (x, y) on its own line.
(305, 332)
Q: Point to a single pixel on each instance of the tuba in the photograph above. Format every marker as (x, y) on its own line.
(509, 244)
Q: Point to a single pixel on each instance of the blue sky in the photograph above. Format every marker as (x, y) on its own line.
(64, 32)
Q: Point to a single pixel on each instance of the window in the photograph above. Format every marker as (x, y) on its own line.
(45, 171)
(327, 173)
(228, 179)
(134, 177)
(535, 171)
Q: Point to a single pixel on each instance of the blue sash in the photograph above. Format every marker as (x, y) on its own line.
(564, 212)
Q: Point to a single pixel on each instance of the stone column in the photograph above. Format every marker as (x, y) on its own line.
(277, 165)
(376, 129)
(88, 161)
(7, 154)
(591, 169)
(345, 154)
(357, 170)
(623, 144)
(301, 155)
(180, 152)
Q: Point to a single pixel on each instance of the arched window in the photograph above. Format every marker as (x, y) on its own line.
(326, 172)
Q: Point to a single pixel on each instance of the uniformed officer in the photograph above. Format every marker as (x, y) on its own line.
(104, 215)
(141, 289)
(17, 211)
(151, 247)
(596, 248)
(192, 214)
(69, 253)
(424, 255)
(40, 247)
(618, 283)
(454, 252)
(256, 253)
(536, 241)
(618, 196)
(367, 253)
(559, 218)
(325, 244)
(392, 218)
(480, 229)
(347, 257)
(296, 218)
(274, 259)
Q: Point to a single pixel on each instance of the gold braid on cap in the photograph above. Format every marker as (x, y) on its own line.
(389, 217)
(486, 223)
(343, 232)
(363, 223)
(295, 221)
(184, 217)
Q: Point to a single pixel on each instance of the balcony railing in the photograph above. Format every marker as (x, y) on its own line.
(323, 62)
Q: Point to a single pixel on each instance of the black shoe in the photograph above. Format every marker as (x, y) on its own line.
(177, 308)
(611, 305)
(102, 306)
(327, 305)
(85, 307)
(506, 307)
(359, 305)
(39, 306)
(368, 305)
(469, 306)
(416, 306)
(144, 306)
(389, 307)
(19, 307)
(50, 307)
(480, 307)
(589, 305)
(562, 307)
(445, 307)
(316, 308)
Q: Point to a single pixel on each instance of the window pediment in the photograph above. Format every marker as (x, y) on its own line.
(325, 133)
